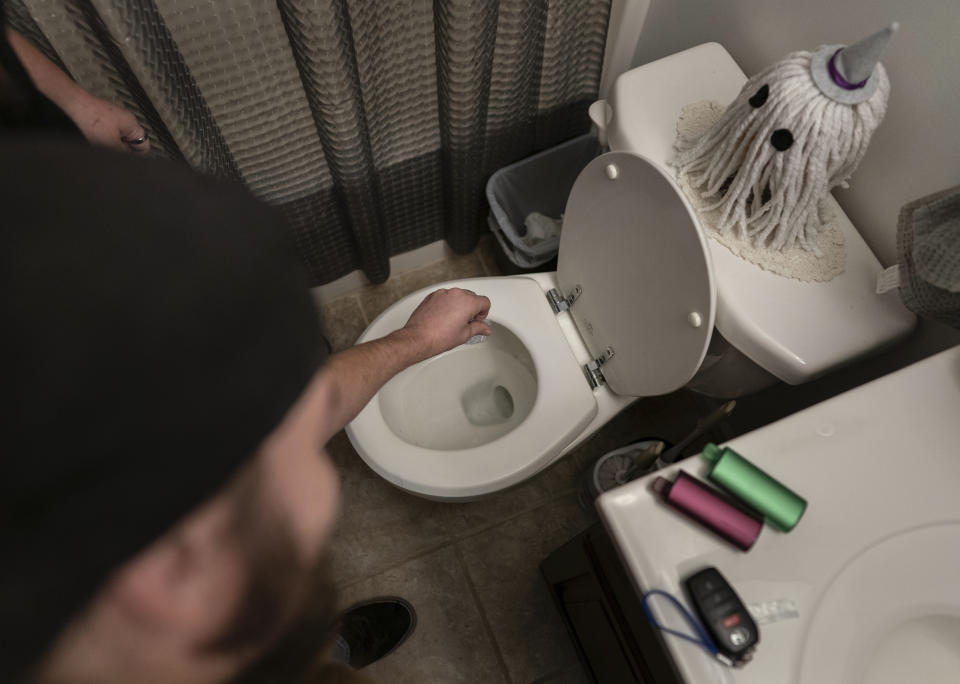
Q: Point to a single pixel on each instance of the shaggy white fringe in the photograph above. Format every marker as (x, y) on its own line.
(829, 140)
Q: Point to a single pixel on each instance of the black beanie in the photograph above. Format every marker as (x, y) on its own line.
(156, 326)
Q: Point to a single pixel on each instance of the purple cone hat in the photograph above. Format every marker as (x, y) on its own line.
(847, 73)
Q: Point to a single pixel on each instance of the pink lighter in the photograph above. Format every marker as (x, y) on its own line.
(708, 507)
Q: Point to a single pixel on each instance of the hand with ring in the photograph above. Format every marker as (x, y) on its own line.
(104, 123)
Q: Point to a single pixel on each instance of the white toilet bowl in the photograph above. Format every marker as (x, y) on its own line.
(442, 429)
(439, 428)
(465, 398)
(630, 312)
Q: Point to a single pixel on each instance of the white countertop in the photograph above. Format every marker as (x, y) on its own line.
(874, 463)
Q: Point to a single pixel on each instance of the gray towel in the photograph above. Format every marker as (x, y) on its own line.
(928, 240)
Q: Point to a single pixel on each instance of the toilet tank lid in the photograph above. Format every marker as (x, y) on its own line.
(633, 254)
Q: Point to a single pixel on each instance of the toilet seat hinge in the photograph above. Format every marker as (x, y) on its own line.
(559, 302)
(593, 370)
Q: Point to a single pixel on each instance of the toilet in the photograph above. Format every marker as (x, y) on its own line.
(642, 303)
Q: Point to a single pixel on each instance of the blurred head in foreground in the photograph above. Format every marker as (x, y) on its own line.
(165, 501)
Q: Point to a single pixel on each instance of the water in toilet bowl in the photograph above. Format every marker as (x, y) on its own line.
(464, 398)
(487, 403)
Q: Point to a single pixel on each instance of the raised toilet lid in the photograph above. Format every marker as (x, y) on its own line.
(633, 245)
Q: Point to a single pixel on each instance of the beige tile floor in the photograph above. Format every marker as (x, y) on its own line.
(471, 569)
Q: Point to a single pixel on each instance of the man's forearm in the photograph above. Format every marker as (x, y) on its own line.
(444, 319)
(48, 78)
(352, 377)
(100, 122)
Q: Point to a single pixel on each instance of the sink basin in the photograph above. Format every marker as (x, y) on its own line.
(891, 615)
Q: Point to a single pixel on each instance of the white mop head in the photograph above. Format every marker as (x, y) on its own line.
(797, 130)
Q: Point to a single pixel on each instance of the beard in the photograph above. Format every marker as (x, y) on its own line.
(304, 643)
(287, 612)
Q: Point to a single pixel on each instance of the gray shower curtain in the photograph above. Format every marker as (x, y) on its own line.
(371, 125)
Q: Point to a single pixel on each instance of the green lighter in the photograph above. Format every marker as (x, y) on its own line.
(779, 505)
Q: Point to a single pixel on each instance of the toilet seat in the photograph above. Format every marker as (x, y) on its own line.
(563, 407)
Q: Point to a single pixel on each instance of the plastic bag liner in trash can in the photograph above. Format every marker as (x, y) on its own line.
(540, 183)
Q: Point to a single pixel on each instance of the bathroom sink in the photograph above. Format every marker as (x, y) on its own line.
(866, 589)
(891, 615)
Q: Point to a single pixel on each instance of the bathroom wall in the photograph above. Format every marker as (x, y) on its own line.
(916, 151)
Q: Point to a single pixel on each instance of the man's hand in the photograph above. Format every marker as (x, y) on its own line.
(446, 319)
(101, 122)
(106, 124)
(350, 378)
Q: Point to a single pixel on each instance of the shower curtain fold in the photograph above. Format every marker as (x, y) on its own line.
(372, 126)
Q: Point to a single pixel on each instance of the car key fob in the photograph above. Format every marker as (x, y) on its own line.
(723, 615)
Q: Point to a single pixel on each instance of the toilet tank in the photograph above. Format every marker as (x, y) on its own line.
(794, 330)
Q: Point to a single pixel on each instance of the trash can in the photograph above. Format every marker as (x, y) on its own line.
(536, 185)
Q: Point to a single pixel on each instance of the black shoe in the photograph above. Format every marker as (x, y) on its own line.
(374, 628)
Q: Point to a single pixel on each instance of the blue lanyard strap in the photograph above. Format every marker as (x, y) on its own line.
(702, 639)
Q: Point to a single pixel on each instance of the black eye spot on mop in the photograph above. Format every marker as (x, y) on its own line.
(726, 186)
(781, 139)
(766, 194)
(760, 97)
